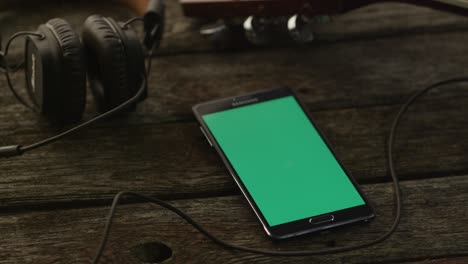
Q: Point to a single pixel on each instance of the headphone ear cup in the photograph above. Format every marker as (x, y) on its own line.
(56, 70)
(115, 64)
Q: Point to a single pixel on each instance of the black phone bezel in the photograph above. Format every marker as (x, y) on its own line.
(298, 227)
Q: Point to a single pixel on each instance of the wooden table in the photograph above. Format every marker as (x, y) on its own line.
(353, 79)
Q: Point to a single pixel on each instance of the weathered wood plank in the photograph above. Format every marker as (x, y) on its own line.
(433, 224)
(342, 75)
(352, 87)
(162, 151)
(174, 160)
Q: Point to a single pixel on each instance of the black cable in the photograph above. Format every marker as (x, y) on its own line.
(131, 21)
(16, 150)
(130, 101)
(286, 253)
(149, 65)
(391, 165)
(135, 98)
(7, 70)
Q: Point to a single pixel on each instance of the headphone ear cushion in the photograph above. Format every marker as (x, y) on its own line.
(69, 99)
(107, 63)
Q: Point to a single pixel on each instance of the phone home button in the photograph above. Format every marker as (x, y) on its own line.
(321, 219)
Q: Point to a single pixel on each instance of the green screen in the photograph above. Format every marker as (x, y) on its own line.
(282, 160)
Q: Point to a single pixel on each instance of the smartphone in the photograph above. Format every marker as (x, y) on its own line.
(284, 166)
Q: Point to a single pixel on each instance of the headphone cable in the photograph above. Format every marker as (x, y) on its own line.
(111, 112)
(17, 150)
(187, 218)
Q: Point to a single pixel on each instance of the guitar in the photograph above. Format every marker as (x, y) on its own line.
(266, 21)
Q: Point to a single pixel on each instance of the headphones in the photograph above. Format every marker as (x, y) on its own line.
(109, 55)
(57, 63)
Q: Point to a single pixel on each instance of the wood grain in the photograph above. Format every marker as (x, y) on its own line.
(353, 80)
(174, 160)
(434, 218)
(353, 100)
